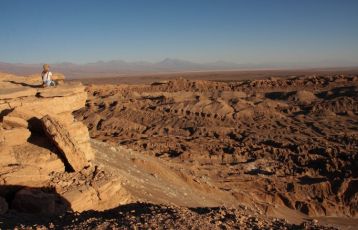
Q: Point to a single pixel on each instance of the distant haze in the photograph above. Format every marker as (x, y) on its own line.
(118, 68)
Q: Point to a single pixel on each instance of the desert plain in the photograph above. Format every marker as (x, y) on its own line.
(206, 150)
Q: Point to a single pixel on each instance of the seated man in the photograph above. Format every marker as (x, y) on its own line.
(46, 76)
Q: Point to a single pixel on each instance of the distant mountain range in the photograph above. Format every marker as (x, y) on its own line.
(119, 67)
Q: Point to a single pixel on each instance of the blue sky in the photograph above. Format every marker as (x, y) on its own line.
(322, 32)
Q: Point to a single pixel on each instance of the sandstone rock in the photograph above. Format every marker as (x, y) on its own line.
(101, 196)
(14, 122)
(24, 113)
(33, 163)
(16, 92)
(304, 96)
(111, 194)
(29, 164)
(80, 134)
(52, 105)
(62, 139)
(39, 153)
(3, 206)
(23, 175)
(16, 136)
(65, 118)
(36, 201)
(7, 156)
(4, 106)
(2, 137)
(62, 90)
(87, 149)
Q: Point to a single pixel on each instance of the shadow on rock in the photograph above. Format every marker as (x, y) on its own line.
(30, 206)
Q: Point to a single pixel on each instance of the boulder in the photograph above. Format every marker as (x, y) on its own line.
(3, 206)
(16, 136)
(61, 137)
(30, 200)
(24, 175)
(14, 122)
(80, 134)
(4, 106)
(29, 164)
(98, 196)
(7, 156)
(303, 96)
(91, 189)
(39, 153)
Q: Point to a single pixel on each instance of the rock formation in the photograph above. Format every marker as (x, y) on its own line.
(291, 142)
(39, 138)
(48, 163)
(251, 146)
(68, 145)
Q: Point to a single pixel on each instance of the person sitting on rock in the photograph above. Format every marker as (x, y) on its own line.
(46, 76)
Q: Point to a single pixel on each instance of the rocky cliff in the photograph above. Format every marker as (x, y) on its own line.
(41, 144)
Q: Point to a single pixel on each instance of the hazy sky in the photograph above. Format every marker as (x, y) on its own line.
(262, 31)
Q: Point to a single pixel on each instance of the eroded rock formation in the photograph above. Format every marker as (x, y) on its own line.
(291, 142)
(39, 138)
(248, 145)
(48, 163)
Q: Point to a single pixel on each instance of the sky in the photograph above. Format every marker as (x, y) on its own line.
(318, 32)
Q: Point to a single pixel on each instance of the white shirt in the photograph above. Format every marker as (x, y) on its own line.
(46, 76)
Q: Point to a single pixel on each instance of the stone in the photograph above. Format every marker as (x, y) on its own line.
(23, 175)
(14, 122)
(62, 90)
(304, 96)
(3, 206)
(31, 200)
(4, 106)
(52, 105)
(61, 137)
(16, 92)
(39, 153)
(87, 149)
(2, 137)
(7, 156)
(25, 114)
(100, 196)
(65, 118)
(38, 138)
(16, 136)
(80, 134)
